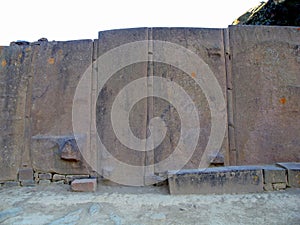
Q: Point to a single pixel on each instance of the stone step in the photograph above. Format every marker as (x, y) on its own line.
(217, 180)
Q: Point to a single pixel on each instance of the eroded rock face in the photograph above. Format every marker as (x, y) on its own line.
(272, 12)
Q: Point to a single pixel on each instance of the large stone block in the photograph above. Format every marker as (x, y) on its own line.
(45, 176)
(274, 174)
(46, 156)
(117, 154)
(58, 177)
(208, 47)
(293, 170)
(70, 178)
(84, 185)
(218, 180)
(15, 80)
(266, 84)
(25, 174)
(57, 69)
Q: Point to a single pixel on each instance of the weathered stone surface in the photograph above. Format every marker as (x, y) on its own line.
(60, 182)
(27, 183)
(38, 82)
(218, 180)
(57, 177)
(84, 185)
(47, 156)
(274, 174)
(279, 186)
(56, 69)
(15, 79)
(268, 187)
(45, 176)
(138, 122)
(25, 174)
(266, 86)
(70, 178)
(70, 151)
(208, 45)
(293, 170)
(44, 182)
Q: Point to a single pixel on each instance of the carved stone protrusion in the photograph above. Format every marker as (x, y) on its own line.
(70, 151)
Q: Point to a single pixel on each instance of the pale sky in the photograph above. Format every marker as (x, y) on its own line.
(63, 20)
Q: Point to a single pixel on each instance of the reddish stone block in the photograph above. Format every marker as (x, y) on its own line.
(84, 185)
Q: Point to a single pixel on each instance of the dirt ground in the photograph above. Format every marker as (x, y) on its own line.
(55, 204)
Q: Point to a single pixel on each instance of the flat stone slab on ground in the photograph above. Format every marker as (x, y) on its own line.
(218, 180)
(293, 170)
(84, 185)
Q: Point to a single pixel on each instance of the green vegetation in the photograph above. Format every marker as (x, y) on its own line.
(273, 12)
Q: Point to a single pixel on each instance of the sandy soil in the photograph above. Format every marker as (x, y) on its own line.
(55, 204)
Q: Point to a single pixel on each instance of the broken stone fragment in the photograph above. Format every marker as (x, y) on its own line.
(216, 159)
(70, 152)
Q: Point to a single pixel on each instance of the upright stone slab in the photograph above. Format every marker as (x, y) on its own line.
(208, 47)
(266, 87)
(57, 70)
(218, 180)
(117, 155)
(15, 80)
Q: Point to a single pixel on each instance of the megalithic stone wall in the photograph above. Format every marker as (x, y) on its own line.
(265, 65)
(257, 69)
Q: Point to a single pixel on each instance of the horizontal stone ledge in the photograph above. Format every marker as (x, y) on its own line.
(293, 171)
(217, 180)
